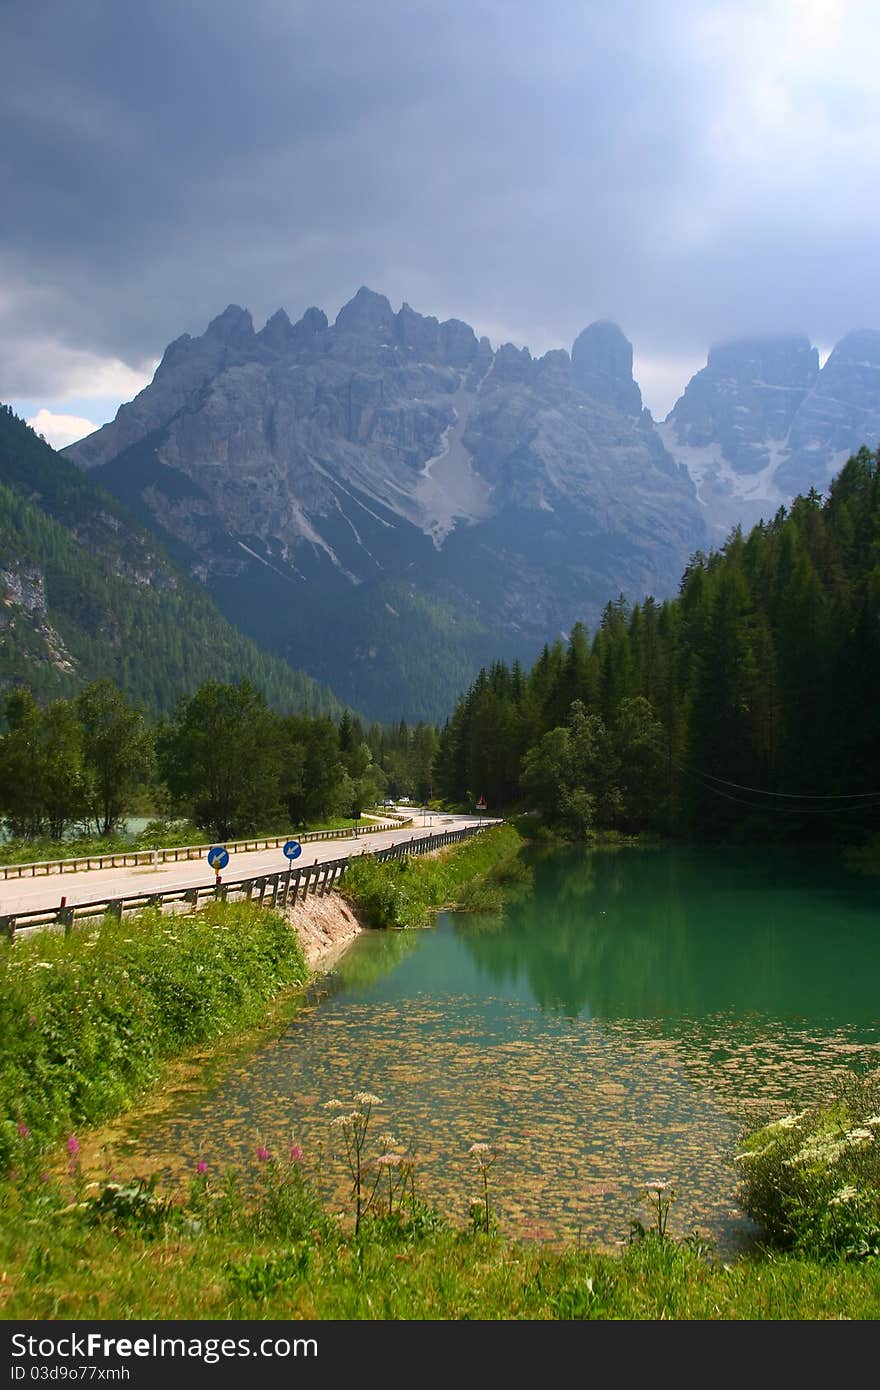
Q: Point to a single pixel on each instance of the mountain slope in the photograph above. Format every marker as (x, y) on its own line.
(761, 423)
(392, 500)
(85, 592)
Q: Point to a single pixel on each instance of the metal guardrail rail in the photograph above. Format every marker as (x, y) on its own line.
(269, 890)
(124, 859)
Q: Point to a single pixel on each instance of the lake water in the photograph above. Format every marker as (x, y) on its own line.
(620, 1024)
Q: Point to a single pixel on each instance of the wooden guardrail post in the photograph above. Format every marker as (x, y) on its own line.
(285, 891)
(114, 908)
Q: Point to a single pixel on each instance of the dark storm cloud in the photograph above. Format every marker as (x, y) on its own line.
(528, 167)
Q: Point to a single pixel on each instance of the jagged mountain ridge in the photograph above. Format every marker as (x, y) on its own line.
(390, 502)
(761, 422)
(394, 478)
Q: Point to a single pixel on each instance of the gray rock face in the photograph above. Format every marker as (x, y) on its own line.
(840, 415)
(602, 364)
(321, 461)
(761, 423)
(747, 394)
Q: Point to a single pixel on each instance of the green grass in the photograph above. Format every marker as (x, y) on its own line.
(269, 1250)
(87, 1020)
(474, 875)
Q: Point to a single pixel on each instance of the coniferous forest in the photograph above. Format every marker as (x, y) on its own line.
(743, 707)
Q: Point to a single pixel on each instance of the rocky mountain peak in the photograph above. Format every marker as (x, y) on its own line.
(277, 332)
(313, 321)
(784, 361)
(396, 453)
(368, 314)
(862, 346)
(234, 327)
(512, 364)
(282, 336)
(746, 396)
(602, 363)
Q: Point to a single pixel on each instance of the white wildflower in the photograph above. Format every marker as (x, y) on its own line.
(787, 1121)
(844, 1195)
(366, 1098)
(346, 1121)
(755, 1153)
(819, 1148)
(859, 1135)
(387, 1142)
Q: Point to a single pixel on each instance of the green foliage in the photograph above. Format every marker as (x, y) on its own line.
(131, 1206)
(87, 1020)
(117, 753)
(257, 1277)
(744, 708)
(219, 758)
(227, 762)
(812, 1179)
(406, 892)
(42, 770)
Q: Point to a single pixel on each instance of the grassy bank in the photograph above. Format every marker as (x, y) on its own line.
(87, 1020)
(474, 875)
(261, 1245)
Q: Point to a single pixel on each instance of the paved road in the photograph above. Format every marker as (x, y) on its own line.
(89, 885)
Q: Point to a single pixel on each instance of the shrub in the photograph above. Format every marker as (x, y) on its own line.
(474, 875)
(812, 1179)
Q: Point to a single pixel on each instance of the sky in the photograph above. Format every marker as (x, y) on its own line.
(696, 171)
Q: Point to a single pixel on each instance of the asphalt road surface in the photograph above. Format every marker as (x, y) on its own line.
(89, 885)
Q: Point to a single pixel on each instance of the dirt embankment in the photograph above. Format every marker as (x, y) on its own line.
(325, 926)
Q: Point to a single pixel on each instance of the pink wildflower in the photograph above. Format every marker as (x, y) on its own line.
(296, 1153)
(201, 1167)
(23, 1131)
(263, 1154)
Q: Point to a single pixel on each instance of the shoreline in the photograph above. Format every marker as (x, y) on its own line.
(325, 928)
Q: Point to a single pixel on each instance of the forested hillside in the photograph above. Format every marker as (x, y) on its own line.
(86, 593)
(745, 705)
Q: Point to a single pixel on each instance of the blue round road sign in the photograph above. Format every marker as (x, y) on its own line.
(292, 849)
(218, 857)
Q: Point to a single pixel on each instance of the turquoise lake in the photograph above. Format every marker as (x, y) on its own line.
(620, 1023)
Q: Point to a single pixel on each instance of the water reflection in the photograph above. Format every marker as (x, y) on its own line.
(669, 932)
